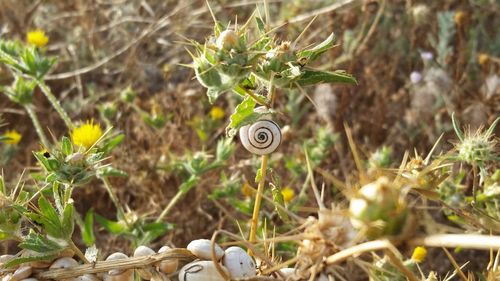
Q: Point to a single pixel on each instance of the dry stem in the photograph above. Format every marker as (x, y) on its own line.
(465, 241)
(104, 266)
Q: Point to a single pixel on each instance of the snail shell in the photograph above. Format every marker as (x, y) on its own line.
(238, 263)
(202, 248)
(262, 137)
(200, 271)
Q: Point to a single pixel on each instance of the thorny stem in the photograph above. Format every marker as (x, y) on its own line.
(55, 103)
(38, 127)
(114, 198)
(474, 187)
(170, 205)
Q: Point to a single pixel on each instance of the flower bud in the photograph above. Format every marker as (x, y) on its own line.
(228, 39)
(378, 210)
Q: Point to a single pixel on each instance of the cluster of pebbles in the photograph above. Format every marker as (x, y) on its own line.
(234, 262)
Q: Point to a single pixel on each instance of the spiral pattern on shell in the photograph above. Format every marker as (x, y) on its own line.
(262, 137)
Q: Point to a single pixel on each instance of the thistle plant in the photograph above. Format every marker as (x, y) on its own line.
(69, 163)
(237, 59)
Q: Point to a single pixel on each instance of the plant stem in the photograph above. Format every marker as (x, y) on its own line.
(258, 99)
(114, 198)
(170, 205)
(258, 199)
(55, 103)
(38, 127)
(78, 252)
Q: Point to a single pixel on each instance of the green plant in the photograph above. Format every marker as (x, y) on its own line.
(241, 62)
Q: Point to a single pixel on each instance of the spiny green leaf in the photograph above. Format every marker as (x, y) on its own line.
(260, 25)
(314, 53)
(312, 77)
(38, 243)
(42, 257)
(456, 127)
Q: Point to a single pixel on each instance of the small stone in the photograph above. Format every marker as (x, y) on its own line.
(64, 262)
(200, 271)
(202, 249)
(4, 259)
(118, 274)
(288, 272)
(7, 277)
(141, 251)
(22, 272)
(238, 263)
(167, 266)
(86, 277)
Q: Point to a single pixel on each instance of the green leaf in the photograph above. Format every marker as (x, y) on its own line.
(279, 200)
(88, 235)
(314, 53)
(48, 217)
(37, 243)
(242, 115)
(456, 127)
(42, 257)
(43, 161)
(188, 184)
(260, 25)
(312, 77)
(67, 146)
(68, 223)
(155, 230)
(492, 127)
(108, 171)
(112, 143)
(213, 94)
(112, 227)
(258, 175)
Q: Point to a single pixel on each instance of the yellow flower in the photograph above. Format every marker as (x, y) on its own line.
(13, 137)
(483, 59)
(419, 254)
(217, 113)
(87, 134)
(37, 38)
(288, 194)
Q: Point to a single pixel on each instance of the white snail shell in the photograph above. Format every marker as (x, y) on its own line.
(202, 248)
(262, 137)
(238, 263)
